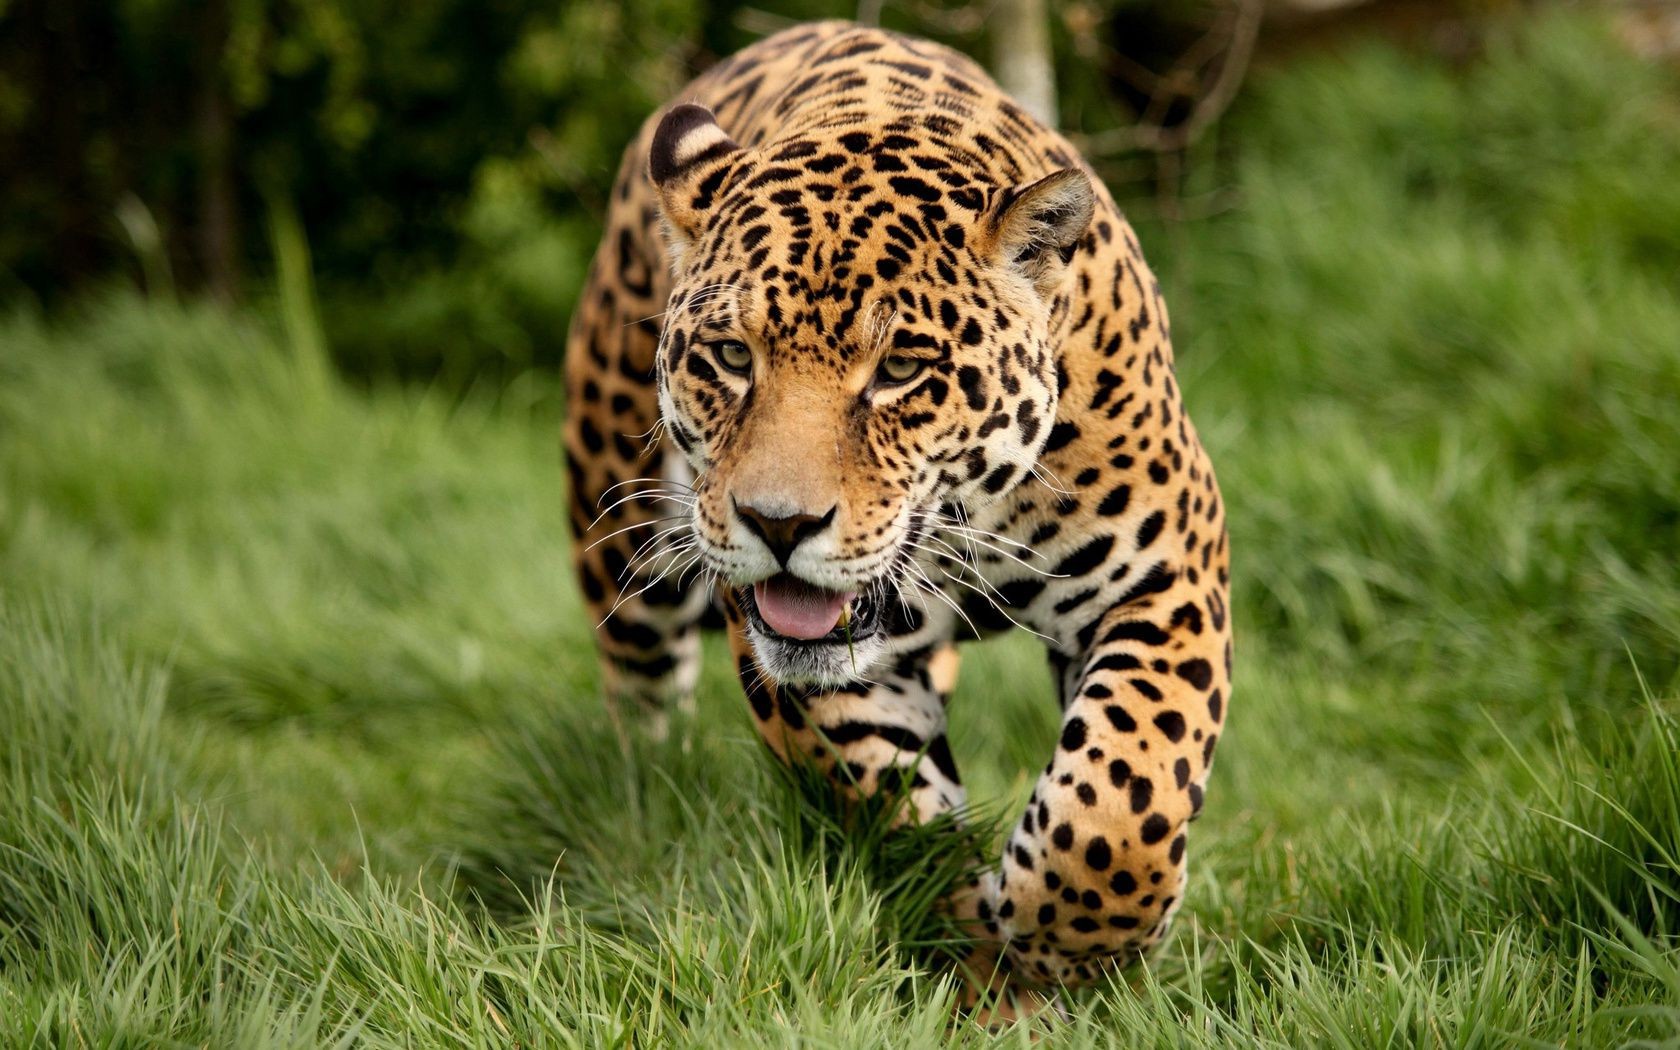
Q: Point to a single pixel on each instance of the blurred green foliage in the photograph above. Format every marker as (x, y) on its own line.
(449, 160)
(445, 157)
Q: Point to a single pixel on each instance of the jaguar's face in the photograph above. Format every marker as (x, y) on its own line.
(843, 355)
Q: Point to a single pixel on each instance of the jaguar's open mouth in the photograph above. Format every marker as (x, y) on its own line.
(789, 609)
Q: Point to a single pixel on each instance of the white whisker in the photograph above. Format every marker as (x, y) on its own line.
(647, 559)
(1048, 479)
(656, 537)
(924, 584)
(659, 482)
(652, 497)
(973, 536)
(945, 521)
(622, 598)
(994, 604)
(637, 525)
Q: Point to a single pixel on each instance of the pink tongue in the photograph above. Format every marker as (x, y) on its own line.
(797, 609)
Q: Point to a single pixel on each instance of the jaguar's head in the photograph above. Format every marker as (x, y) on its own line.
(858, 334)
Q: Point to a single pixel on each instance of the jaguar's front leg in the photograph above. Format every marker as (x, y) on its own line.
(886, 734)
(1095, 868)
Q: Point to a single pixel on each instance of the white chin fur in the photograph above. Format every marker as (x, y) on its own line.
(832, 665)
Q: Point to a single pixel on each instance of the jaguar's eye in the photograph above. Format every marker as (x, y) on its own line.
(901, 369)
(734, 355)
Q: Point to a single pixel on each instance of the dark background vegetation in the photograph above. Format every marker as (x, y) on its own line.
(449, 158)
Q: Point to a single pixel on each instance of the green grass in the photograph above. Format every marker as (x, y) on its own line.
(300, 742)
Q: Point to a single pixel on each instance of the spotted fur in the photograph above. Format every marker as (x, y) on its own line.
(825, 206)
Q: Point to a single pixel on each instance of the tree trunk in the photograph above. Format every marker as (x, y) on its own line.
(218, 215)
(1021, 58)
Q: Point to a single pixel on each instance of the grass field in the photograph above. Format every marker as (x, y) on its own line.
(300, 742)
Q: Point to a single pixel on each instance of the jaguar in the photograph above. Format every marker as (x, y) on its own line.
(868, 362)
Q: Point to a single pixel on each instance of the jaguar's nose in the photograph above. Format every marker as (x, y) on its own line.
(782, 534)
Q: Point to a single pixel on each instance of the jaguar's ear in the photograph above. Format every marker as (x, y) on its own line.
(1035, 228)
(688, 160)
